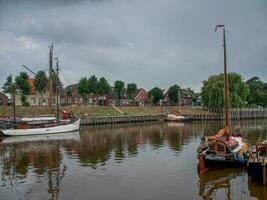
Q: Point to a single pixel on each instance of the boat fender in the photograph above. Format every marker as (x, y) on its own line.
(239, 159)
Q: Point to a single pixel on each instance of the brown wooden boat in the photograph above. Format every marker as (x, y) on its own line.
(257, 163)
(222, 149)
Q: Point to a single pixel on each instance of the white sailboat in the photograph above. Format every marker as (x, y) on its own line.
(46, 130)
(55, 126)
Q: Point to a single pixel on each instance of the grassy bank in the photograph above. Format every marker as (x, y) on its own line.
(158, 110)
(102, 110)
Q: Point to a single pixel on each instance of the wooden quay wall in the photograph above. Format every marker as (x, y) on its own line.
(120, 119)
(235, 114)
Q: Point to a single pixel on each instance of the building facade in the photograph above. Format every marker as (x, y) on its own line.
(141, 96)
(35, 98)
(3, 99)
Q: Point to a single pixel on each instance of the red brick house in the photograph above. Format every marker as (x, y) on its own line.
(141, 96)
(185, 98)
(3, 99)
(74, 98)
(72, 95)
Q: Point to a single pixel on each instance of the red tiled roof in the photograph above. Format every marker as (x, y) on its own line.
(138, 91)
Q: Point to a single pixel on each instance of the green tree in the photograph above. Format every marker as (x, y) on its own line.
(23, 86)
(83, 89)
(212, 91)
(258, 90)
(173, 94)
(103, 86)
(131, 89)
(195, 98)
(93, 86)
(119, 85)
(7, 88)
(41, 83)
(156, 94)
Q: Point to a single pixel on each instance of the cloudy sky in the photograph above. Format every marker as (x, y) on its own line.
(149, 42)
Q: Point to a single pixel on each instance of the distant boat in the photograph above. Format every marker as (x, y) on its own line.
(176, 118)
(257, 163)
(222, 149)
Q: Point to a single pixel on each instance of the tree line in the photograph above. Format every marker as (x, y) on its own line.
(95, 86)
(21, 85)
(250, 93)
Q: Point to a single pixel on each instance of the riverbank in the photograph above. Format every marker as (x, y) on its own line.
(124, 114)
(93, 111)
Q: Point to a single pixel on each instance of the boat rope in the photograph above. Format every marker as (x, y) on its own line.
(242, 185)
(263, 129)
(205, 121)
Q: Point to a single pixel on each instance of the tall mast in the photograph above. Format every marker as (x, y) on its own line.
(50, 77)
(57, 88)
(14, 102)
(3, 105)
(179, 99)
(226, 89)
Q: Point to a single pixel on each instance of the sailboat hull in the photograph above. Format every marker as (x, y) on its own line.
(48, 130)
(223, 163)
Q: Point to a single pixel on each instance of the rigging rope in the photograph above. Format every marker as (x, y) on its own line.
(205, 122)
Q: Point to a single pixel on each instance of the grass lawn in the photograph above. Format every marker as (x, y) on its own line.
(102, 110)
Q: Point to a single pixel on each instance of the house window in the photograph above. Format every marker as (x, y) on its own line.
(33, 101)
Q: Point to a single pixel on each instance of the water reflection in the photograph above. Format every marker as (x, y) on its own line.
(40, 154)
(45, 166)
(257, 190)
(217, 184)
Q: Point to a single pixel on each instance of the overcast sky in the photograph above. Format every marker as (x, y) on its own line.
(149, 42)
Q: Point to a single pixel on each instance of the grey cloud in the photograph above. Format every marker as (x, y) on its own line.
(152, 42)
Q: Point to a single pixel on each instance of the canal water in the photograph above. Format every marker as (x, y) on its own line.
(151, 161)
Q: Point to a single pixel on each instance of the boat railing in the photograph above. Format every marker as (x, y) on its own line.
(6, 124)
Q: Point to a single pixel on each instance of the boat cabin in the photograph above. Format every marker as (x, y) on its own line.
(261, 151)
(257, 164)
(223, 145)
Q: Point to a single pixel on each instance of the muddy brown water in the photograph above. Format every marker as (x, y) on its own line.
(130, 161)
